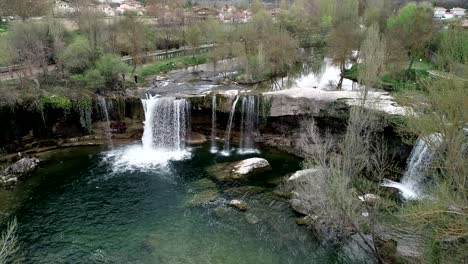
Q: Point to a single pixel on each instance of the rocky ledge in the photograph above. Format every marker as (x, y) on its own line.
(19, 170)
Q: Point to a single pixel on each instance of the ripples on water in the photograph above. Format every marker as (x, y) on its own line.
(132, 206)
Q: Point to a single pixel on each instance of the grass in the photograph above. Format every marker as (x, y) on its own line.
(402, 80)
(171, 64)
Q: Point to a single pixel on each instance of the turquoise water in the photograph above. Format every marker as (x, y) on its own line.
(78, 208)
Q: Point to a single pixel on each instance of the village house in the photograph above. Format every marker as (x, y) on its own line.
(63, 8)
(275, 11)
(130, 7)
(106, 9)
(458, 12)
(439, 12)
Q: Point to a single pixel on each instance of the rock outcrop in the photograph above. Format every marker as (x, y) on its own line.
(19, 170)
(241, 170)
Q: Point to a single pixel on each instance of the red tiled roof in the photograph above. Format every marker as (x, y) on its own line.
(458, 8)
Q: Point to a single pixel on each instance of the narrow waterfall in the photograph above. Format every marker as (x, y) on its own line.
(166, 125)
(227, 139)
(105, 116)
(419, 161)
(248, 125)
(214, 148)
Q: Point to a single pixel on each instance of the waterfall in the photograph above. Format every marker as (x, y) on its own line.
(166, 125)
(214, 148)
(227, 139)
(419, 161)
(249, 121)
(105, 116)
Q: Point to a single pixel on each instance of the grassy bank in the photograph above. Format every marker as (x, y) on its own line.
(401, 80)
(171, 64)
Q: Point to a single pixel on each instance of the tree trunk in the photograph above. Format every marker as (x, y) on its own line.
(411, 63)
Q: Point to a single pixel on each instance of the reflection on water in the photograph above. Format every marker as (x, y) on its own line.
(316, 72)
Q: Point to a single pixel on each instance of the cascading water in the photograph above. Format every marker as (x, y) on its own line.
(248, 125)
(419, 161)
(105, 116)
(166, 130)
(166, 123)
(214, 148)
(226, 150)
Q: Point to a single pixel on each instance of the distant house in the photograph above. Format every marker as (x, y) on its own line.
(106, 9)
(130, 7)
(439, 12)
(111, 1)
(458, 11)
(63, 8)
(448, 15)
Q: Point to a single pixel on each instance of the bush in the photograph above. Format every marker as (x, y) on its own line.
(106, 73)
(78, 56)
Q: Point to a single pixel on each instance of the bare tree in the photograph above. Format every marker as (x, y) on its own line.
(9, 241)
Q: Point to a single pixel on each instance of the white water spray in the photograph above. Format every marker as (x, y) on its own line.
(227, 150)
(105, 116)
(411, 185)
(248, 125)
(213, 148)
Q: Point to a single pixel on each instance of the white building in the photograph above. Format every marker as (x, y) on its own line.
(458, 11)
(63, 8)
(439, 12)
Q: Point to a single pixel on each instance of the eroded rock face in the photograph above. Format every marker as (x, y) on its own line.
(241, 170)
(18, 170)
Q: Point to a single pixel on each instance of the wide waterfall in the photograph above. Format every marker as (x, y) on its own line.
(166, 123)
(105, 116)
(213, 148)
(249, 122)
(227, 149)
(411, 185)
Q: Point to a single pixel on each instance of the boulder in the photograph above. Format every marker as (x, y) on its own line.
(238, 204)
(197, 138)
(21, 169)
(369, 198)
(241, 170)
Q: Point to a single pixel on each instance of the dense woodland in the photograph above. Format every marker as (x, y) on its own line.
(423, 62)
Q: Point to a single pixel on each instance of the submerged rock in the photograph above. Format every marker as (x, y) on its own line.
(243, 191)
(197, 138)
(240, 205)
(252, 219)
(241, 170)
(18, 170)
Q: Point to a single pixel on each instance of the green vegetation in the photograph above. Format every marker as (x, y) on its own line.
(56, 102)
(172, 64)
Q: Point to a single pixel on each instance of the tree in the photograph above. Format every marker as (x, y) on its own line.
(194, 38)
(342, 41)
(26, 8)
(372, 55)
(256, 6)
(78, 56)
(31, 46)
(89, 21)
(132, 37)
(107, 72)
(452, 52)
(301, 20)
(414, 27)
